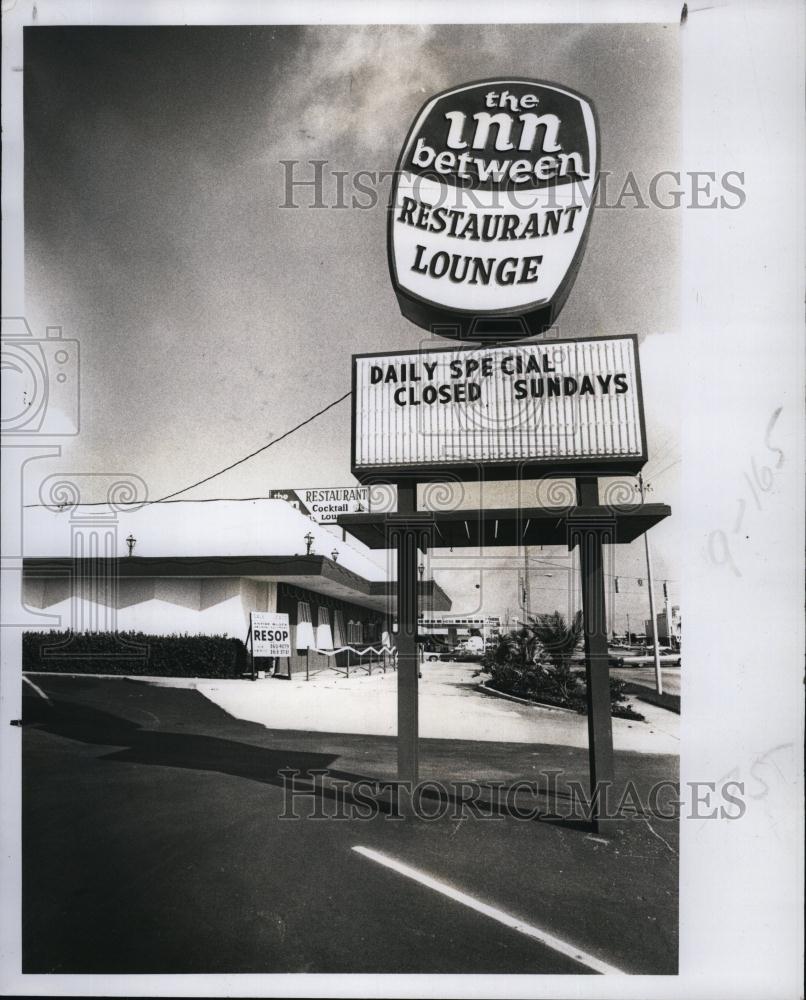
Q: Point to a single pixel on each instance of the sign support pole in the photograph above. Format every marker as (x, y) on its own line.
(590, 534)
(408, 725)
(408, 531)
(251, 652)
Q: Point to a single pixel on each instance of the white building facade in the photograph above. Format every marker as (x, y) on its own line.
(201, 568)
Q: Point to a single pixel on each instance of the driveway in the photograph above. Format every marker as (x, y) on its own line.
(451, 707)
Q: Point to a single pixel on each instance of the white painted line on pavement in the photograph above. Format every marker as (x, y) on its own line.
(38, 689)
(493, 912)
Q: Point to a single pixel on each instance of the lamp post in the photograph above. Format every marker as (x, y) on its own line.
(309, 540)
(131, 541)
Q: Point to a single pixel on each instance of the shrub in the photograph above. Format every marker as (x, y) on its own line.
(134, 653)
(534, 662)
(619, 705)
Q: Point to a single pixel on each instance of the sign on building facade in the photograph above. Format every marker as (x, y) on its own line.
(325, 504)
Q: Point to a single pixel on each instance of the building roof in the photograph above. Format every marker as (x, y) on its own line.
(259, 539)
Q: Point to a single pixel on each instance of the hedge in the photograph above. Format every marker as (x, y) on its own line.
(558, 686)
(134, 653)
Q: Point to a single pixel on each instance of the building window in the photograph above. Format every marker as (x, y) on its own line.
(324, 637)
(339, 638)
(304, 626)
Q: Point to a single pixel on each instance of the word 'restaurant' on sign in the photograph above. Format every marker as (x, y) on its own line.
(491, 206)
(518, 410)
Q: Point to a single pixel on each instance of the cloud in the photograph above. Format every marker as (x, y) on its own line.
(354, 85)
(661, 376)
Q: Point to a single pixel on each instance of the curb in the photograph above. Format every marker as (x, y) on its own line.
(176, 682)
(523, 701)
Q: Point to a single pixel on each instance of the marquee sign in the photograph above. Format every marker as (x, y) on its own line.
(491, 206)
(553, 407)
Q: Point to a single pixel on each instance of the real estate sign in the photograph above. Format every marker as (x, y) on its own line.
(491, 206)
(552, 407)
(271, 633)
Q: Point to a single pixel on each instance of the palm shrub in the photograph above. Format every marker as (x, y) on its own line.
(535, 662)
(557, 640)
(513, 663)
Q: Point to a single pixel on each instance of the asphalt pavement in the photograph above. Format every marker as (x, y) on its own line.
(644, 676)
(152, 843)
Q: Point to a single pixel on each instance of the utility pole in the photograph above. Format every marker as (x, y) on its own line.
(667, 613)
(658, 678)
(629, 640)
(526, 583)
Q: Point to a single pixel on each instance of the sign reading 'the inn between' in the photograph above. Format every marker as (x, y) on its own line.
(491, 208)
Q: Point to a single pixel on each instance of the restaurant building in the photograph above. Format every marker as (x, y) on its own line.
(202, 567)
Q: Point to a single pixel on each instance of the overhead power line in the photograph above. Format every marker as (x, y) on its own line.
(258, 451)
(143, 503)
(214, 475)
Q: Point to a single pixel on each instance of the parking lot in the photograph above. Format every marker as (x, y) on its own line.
(152, 842)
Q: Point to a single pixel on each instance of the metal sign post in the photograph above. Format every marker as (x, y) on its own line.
(251, 642)
(590, 532)
(408, 532)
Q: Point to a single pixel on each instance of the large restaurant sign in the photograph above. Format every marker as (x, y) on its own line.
(491, 207)
(553, 407)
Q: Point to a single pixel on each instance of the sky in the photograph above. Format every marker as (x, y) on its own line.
(211, 319)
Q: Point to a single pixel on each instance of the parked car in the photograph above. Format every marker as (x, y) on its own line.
(442, 656)
(434, 652)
